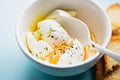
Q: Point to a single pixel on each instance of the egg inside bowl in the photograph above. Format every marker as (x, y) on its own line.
(49, 41)
(84, 11)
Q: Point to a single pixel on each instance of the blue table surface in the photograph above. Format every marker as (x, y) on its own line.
(13, 64)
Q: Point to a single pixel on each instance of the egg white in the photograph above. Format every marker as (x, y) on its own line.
(38, 47)
(53, 33)
(58, 13)
(73, 55)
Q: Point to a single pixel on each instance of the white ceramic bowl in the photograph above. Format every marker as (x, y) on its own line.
(87, 10)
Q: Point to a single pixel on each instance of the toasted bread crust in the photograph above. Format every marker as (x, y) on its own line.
(114, 14)
(113, 6)
(99, 70)
(116, 32)
(115, 38)
(114, 75)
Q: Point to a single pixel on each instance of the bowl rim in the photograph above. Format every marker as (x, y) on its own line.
(27, 53)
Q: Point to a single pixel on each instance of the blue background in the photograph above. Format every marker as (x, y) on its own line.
(13, 64)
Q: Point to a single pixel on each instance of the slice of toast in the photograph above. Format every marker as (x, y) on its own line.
(114, 45)
(107, 68)
(114, 14)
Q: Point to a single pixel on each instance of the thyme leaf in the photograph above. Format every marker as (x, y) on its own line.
(51, 30)
(40, 52)
(46, 48)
